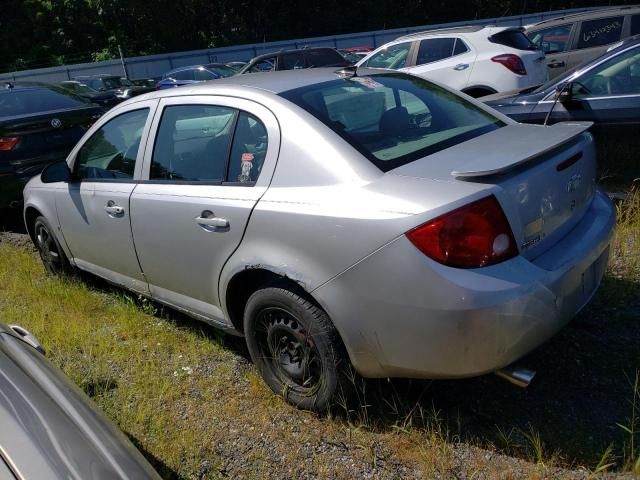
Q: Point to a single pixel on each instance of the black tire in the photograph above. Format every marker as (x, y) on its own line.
(295, 347)
(53, 257)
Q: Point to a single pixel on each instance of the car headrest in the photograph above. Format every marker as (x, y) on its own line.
(394, 121)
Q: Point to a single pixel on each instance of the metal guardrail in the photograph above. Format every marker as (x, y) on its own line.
(153, 66)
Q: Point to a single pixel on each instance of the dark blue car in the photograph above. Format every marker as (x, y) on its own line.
(605, 91)
(193, 74)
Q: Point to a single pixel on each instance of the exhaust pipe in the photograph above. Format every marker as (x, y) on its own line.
(520, 377)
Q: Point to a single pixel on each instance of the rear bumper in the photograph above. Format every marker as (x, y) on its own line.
(402, 315)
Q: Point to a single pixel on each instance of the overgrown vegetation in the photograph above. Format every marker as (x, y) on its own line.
(42, 33)
(191, 401)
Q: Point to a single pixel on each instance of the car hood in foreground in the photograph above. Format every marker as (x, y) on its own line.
(50, 429)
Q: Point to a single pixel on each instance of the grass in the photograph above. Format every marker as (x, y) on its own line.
(194, 405)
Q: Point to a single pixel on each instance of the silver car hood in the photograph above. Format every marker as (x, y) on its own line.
(50, 429)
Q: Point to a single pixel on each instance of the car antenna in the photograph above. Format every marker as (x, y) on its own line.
(347, 72)
(560, 90)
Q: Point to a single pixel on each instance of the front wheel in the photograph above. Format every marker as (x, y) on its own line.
(295, 347)
(53, 258)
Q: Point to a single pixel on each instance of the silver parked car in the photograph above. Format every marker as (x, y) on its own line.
(358, 217)
(49, 428)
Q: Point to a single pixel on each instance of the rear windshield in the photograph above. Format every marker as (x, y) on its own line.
(513, 39)
(393, 118)
(324, 58)
(30, 101)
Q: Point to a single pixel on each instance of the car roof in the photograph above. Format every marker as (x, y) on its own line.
(98, 76)
(293, 50)
(274, 82)
(24, 86)
(592, 14)
(483, 31)
(463, 29)
(187, 67)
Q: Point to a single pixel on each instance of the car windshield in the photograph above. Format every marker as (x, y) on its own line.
(82, 88)
(34, 100)
(393, 118)
(111, 83)
(221, 70)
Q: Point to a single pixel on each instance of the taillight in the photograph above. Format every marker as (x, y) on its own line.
(476, 235)
(7, 143)
(512, 62)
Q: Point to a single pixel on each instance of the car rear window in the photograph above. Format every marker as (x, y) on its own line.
(324, 58)
(595, 33)
(513, 39)
(393, 118)
(34, 100)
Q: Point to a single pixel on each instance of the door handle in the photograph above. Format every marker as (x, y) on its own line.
(556, 64)
(208, 221)
(461, 66)
(114, 210)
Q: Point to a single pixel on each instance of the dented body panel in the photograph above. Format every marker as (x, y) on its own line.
(324, 216)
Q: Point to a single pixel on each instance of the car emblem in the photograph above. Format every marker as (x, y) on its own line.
(56, 123)
(574, 182)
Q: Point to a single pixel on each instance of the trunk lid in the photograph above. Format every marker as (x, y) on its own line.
(544, 177)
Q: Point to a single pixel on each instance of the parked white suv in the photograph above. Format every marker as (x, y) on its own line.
(477, 60)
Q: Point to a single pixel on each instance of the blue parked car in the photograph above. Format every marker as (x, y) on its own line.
(193, 74)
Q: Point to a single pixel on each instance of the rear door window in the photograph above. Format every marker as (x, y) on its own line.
(434, 49)
(595, 33)
(192, 143)
(249, 149)
(460, 47)
(552, 40)
(393, 57)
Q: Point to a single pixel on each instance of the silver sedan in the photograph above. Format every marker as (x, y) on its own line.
(335, 218)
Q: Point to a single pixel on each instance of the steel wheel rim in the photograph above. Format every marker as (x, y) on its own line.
(47, 247)
(288, 351)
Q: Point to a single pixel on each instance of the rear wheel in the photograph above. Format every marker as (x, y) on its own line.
(295, 347)
(53, 257)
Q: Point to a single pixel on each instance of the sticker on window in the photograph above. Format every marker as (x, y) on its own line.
(246, 165)
(366, 82)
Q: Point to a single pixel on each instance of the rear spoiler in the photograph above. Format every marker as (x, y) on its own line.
(524, 144)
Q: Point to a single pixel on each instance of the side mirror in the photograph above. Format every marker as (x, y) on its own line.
(56, 172)
(565, 91)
